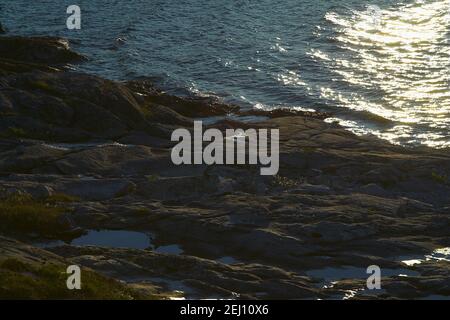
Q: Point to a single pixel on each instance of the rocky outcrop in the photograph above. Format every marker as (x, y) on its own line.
(43, 50)
(28, 272)
(99, 151)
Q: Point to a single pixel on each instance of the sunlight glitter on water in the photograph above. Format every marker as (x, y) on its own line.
(441, 254)
(404, 65)
(384, 73)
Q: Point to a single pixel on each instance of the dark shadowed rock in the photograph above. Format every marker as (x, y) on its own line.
(25, 158)
(110, 159)
(94, 189)
(43, 50)
(195, 106)
(144, 139)
(286, 112)
(338, 200)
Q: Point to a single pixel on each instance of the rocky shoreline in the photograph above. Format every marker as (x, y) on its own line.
(80, 153)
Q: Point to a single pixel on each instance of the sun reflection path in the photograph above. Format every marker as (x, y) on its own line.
(400, 59)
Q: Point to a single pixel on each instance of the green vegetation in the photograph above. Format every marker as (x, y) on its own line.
(152, 178)
(8, 113)
(40, 85)
(142, 211)
(61, 198)
(284, 182)
(21, 280)
(386, 184)
(309, 149)
(44, 86)
(26, 215)
(14, 132)
(147, 112)
(439, 178)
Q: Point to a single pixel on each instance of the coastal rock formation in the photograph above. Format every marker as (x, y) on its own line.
(45, 50)
(82, 153)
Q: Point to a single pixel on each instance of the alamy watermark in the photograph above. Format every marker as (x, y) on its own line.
(375, 16)
(238, 146)
(73, 22)
(374, 280)
(447, 13)
(74, 279)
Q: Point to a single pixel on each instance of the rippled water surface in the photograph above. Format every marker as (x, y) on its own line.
(383, 72)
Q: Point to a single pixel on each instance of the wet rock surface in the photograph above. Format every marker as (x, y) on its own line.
(339, 201)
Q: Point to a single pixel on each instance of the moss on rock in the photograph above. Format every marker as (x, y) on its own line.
(26, 215)
(22, 280)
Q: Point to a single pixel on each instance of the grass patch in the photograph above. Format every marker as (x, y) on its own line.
(20, 280)
(152, 178)
(8, 114)
(26, 215)
(147, 112)
(387, 184)
(142, 212)
(284, 182)
(14, 132)
(309, 149)
(44, 86)
(61, 198)
(439, 178)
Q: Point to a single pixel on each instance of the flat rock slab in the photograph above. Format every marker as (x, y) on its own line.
(96, 189)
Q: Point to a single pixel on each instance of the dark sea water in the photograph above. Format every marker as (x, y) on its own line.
(382, 72)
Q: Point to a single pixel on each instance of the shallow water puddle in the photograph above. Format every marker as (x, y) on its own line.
(349, 294)
(228, 260)
(170, 249)
(442, 254)
(330, 275)
(116, 239)
(49, 244)
(179, 290)
(435, 297)
(106, 238)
